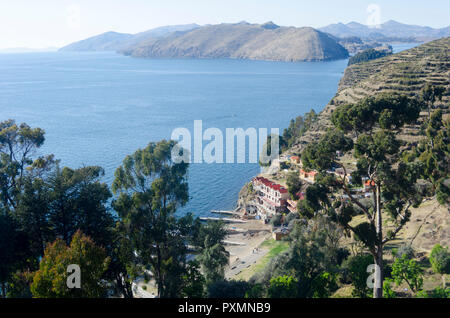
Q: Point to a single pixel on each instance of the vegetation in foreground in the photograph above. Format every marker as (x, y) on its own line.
(52, 217)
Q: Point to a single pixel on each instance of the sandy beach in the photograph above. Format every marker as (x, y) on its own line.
(243, 243)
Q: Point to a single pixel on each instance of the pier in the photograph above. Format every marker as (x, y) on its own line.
(226, 212)
(226, 220)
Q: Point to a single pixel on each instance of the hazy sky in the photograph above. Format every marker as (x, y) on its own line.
(46, 23)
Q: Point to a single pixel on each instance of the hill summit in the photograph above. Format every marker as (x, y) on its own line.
(266, 41)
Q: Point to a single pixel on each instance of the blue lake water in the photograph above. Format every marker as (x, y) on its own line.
(96, 108)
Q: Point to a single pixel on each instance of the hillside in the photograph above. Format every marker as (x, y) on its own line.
(108, 41)
(113, 41)
(406, 72)
(387, 31)
(244, 41)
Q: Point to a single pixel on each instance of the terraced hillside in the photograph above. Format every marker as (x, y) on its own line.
(406, 73)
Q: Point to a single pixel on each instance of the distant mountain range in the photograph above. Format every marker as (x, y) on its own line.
(389, 31)
(114, 41)
(266, 41)
(242, 40)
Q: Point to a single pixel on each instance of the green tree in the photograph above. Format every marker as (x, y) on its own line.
(324, 285)
(294, 185)
(78, 201)
(440, 261)
(283, 287)
(434, 153)
(33, 213)
(387, 289)
(50, 281)
(125, 265)
(430, 94)
(13, 250)
(357, 269)
(150, 187)
(42, 201)
(312, 258)
(208, 239)
(367, 55)
(19, 285)
(441, 293)
(17, 144)
(407, 270)
(214, 258)
(193, 281)
(375, 123)
(297, 128)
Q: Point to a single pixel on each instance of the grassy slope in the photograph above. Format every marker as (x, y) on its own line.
(274, 247)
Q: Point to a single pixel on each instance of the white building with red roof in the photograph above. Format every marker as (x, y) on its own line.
(271, 197)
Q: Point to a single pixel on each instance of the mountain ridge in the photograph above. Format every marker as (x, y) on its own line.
(114, 41)
(388, 30)
(266, 41)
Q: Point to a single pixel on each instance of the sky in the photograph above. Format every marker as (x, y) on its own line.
(55, 23)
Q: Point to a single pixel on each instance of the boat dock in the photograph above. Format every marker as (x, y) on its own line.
(226, 220)
(226, 212)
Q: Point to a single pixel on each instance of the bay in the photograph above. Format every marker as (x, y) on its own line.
(96, 108)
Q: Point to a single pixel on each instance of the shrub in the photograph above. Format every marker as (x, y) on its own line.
(440, 259)
(441, 293)
(408, 271)
(283, 287)
(356, 267)
(387, 289)
(405, 249)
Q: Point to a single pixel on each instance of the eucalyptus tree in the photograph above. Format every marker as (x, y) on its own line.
(368, 131)
(430, 94)
(150, 187)
(18, 143)
(212, 255)
(434, 152)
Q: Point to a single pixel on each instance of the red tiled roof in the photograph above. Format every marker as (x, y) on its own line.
(312, 173)
(272, 185)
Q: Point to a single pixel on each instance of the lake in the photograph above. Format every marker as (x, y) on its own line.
(96, 108)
